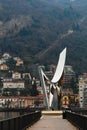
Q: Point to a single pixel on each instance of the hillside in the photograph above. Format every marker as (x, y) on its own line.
(38, 30)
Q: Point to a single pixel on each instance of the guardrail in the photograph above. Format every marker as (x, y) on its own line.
(78, 120)
(82, 111)
(20, 122)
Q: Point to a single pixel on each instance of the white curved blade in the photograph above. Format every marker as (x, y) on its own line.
(60, 67)
(50, 99)
(51, 95)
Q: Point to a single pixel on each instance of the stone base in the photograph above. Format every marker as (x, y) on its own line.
(52, 113)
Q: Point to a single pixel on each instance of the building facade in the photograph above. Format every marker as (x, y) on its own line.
(20, 101)
(12, 83)
(4, 67)
(69, 76)
(83, 90)
(16, 75)
(69, 80)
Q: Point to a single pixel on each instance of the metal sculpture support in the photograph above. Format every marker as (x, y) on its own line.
(42, 75)
(55, 88)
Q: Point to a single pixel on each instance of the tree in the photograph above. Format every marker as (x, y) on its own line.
(11, 63)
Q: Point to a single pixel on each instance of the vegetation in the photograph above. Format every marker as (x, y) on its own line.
(38, 30)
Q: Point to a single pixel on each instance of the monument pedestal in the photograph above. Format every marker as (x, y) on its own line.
(52, 113)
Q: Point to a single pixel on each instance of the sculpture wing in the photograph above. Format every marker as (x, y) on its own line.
(60, 67)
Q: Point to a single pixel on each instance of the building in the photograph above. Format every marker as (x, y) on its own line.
(40, 90)
(69, 79)
(26, 76)
(67, 91)
(4, 67)
(82, 82)
(49, 74)
(69, 100)
(2, 61)
(16, 75)
(6, 56)
(20, 101)
(69, 76)
(19, 61)
(13, 83)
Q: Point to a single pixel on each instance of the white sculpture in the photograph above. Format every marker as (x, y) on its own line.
(54, 82)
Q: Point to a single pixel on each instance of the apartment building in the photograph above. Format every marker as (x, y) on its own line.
(83, 90)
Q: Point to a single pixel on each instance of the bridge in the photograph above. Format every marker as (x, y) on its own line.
(46, 120)
(53, 122)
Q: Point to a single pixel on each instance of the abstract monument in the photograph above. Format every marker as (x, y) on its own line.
(55, 86)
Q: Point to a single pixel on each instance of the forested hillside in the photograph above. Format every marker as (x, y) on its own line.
(38, 30)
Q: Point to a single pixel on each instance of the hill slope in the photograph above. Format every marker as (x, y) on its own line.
(38, 30)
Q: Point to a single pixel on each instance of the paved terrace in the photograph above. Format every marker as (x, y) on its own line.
(52, 122)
